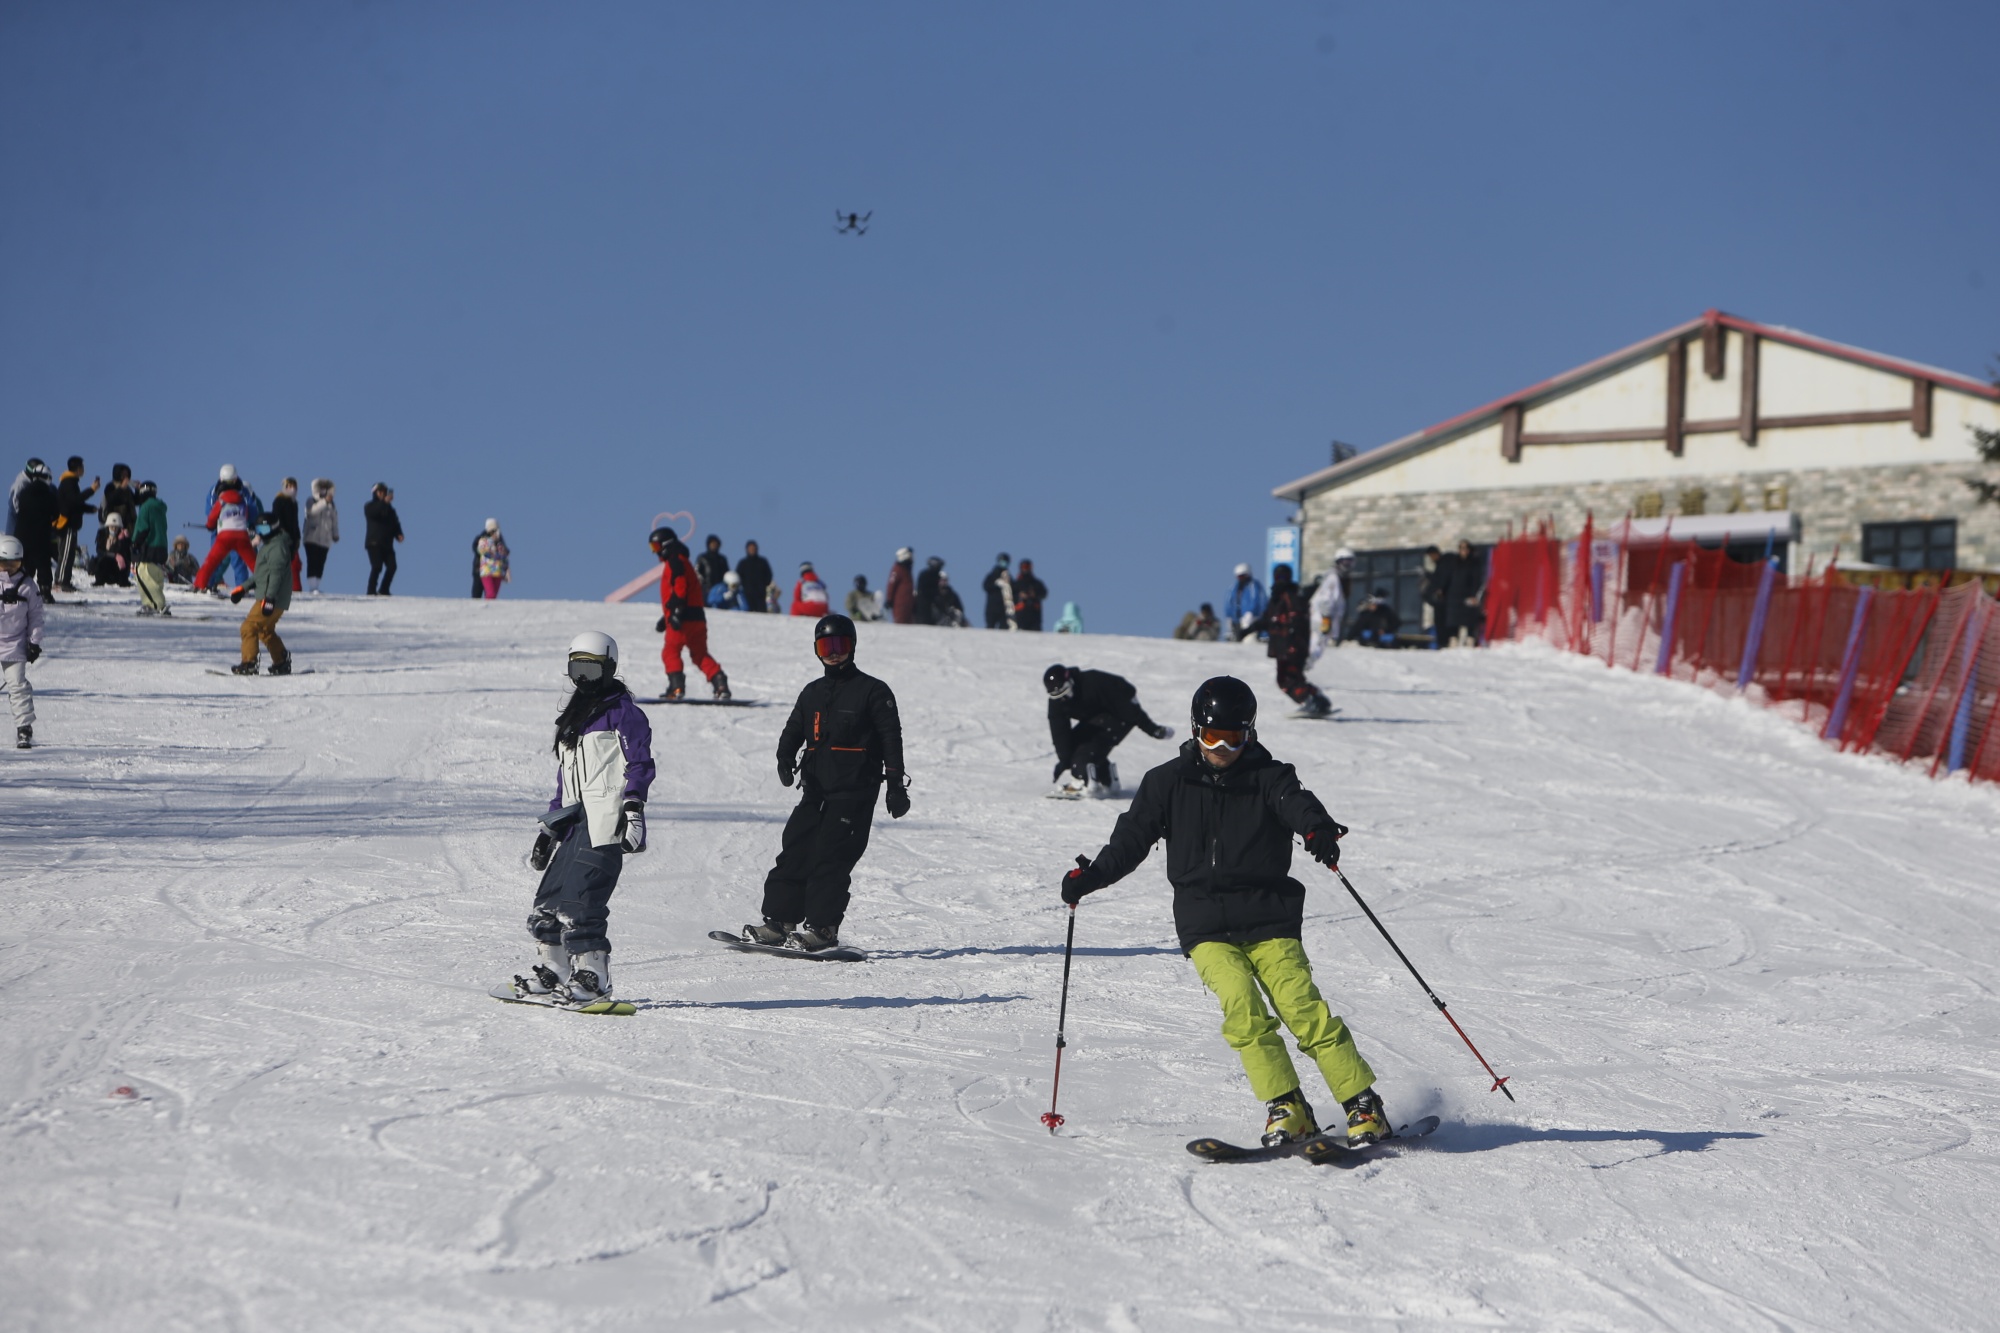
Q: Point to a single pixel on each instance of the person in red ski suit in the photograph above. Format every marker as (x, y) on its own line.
(229, 520)
(682, 618)
(809, 593)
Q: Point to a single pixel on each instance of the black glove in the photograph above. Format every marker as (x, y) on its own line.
(10, 594)
(674, 617)
(236, 594)
(784, 771)
(1323, 844)
(1084, 879)
(545, 847)
(898, 796)
(1162, 733)
(660, 625)
(634, 837)
(34, 652)
(270, 608)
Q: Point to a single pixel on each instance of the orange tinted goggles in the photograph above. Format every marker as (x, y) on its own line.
(1219, 738)
(833, 645)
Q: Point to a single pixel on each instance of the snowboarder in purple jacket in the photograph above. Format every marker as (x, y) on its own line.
(604, 768)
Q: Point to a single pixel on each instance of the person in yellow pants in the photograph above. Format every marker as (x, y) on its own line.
(271, 585)
(1228, 812)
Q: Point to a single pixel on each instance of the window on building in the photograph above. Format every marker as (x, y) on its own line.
(1401, 573)
(1925, 543)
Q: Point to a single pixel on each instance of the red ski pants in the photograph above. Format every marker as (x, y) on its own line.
(693, 636)
(218, 551)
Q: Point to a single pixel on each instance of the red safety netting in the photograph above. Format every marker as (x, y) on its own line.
(1907, 665)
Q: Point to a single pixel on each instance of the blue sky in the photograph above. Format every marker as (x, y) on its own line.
(1131, 265)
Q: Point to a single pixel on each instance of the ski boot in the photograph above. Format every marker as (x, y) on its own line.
(1288, 1119)
(677, 685)
(809, 938)
(1367, 1122)
(1317, 706)
(772, 932)
(24, 738)
(719, 682)
(244, 669)
(283, 668)
(549, 974)
(589, 978)
(1107, 789)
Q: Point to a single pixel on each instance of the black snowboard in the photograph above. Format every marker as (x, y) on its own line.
(1318, 1149)
(839, 953)
(262, 675)
(712, 703)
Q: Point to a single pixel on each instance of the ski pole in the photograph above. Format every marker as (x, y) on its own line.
(1049, 1117)
(1498, 1081)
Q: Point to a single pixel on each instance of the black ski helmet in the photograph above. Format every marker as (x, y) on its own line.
(1225, 703)
(1059, 680)
(835, 626)
(665, 542)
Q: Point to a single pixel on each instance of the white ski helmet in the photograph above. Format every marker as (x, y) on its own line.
(228, 472)
(1343, 556)
(11, 548)
(596, 646)
(1242, 570)
(493, 525)
(904, 553)
(732, 578)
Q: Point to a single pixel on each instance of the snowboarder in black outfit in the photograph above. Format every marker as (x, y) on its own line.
(852, 737)
(1228, 811)
(1287, 619)
(1090, 712)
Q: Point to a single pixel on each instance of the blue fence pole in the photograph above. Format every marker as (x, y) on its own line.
(1666, 662)
(1850, 667)
(1759, 611)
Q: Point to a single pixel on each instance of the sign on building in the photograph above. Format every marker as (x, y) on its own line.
(1281, 547)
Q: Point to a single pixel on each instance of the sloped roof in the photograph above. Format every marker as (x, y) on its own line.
(1432, 436)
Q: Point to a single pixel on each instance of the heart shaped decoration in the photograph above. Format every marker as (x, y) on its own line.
(674, 520)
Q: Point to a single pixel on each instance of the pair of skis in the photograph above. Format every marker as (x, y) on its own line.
(1332, 1148)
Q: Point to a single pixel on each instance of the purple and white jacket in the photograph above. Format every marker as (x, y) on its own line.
(609, 763)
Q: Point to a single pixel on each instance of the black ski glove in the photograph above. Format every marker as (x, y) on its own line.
(1323, 844)
(236, 593)
(1162, 733)
(898, 797)
(10, 594)
(660, 625)
(34, 652)
(634, 837)
(269, 607)
(784, 771)
(1084, 879)
(674, 617)
(545, 848)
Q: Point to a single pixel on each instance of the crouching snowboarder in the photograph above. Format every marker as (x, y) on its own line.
(1090, 712)
(851, 736)
(604, 768)
(1228, 811)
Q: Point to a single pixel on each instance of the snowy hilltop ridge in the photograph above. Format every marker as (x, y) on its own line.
(253, 1079)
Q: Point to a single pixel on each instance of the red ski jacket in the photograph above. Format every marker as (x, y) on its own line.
(680, 591)
(809, 596)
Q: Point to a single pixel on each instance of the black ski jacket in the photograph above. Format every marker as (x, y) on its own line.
(1287, 619)
(1229, 844)
(755, 571)
(1101, 702)
(383, 525)
(851, 733)
(709, 567)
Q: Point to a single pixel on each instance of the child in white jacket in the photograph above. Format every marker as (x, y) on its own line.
(20, 637)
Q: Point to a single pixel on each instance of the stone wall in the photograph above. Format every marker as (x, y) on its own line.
(1832, 504)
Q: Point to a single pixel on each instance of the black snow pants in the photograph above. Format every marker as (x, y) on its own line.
(1292, 679)
(823, 840)
(1094, 744)
(573, 902)
(382, 566)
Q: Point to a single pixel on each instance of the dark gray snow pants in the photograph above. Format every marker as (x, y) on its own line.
(573, 903)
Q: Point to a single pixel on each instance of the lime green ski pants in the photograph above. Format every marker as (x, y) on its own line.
(1235, 972)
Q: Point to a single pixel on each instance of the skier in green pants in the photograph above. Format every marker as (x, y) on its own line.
(1228, 811)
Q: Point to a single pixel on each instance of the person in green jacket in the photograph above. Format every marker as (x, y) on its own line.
(149, 551)
(271, 585)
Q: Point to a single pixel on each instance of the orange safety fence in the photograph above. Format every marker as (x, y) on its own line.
(1901, 664)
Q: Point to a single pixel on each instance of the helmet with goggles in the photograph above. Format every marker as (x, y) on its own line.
(1224, 714)
(665, 542)
(593, 656)
(833, 636)
(1059, 681)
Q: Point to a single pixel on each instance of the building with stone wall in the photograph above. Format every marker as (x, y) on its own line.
(1823, 445)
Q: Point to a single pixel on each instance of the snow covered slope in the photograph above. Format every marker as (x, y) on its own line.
(1744, 985)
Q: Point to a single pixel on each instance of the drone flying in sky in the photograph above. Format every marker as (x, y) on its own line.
(853, 222)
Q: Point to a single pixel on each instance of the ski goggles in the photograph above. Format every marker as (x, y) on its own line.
(1221, 738)
(583, 669)
(833, 645)
(1064, 690)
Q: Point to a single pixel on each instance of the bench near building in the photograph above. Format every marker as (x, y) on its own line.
(1734, 431)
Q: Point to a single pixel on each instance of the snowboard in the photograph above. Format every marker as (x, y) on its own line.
(262, 675)
(839, 953)
(506, 992)
(712, 703)
(1321, 1148)
(1328, 716)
